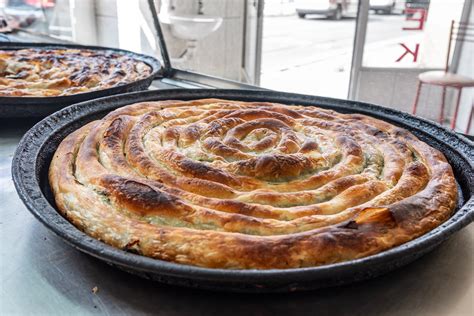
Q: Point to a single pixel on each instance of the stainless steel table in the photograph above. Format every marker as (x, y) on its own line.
(40, 274)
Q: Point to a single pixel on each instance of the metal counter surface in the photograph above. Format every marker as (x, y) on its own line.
(41, 275)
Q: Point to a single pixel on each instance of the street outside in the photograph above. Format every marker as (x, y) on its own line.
(313, 55)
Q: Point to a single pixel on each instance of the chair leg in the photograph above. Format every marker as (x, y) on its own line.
(441, 114)
(469, 120)
(417, 96)
(455, 115)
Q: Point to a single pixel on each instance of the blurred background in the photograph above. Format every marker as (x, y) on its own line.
(364, 50)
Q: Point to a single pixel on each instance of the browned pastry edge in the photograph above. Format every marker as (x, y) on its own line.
(118, 180)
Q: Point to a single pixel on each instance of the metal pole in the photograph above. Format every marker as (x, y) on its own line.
(458, 44)
(164, 51)
(446, 67)
(258, 57)
(358, 48)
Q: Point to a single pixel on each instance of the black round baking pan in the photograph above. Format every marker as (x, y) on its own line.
(42, 106)
(34, 153)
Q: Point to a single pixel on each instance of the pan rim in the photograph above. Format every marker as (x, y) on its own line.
(33, 197)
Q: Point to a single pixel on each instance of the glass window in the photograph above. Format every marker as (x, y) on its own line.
(295, 46)
(307, 46)
(114, 23)
(414, 36)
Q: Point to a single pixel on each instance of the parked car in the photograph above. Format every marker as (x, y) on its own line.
(417, 4)
(384, 6)
(412, 5)
(332, 9)
(32, 3)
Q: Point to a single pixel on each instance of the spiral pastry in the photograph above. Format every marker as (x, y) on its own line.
(236, 185)
(39, 72)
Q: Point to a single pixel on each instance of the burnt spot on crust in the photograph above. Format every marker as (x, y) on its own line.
(408, 211)
(352, 224)
(138, 197)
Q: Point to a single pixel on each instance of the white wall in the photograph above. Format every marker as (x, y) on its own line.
(396, 88)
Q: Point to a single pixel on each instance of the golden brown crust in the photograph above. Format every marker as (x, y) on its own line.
(57, 72)
(227, 184)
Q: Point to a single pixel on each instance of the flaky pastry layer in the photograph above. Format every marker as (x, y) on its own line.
(236, 185)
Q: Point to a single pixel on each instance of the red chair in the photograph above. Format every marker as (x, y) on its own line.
(445, 79)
